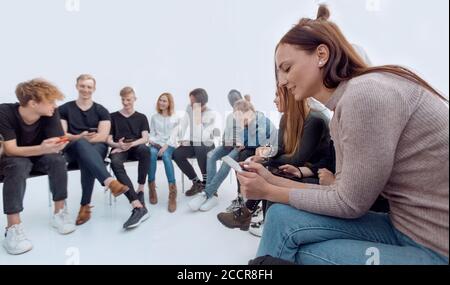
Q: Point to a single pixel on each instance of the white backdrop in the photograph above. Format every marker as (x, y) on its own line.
(178, 45)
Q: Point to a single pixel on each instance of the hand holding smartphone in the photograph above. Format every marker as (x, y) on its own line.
(233, 164)
(63, 139)
(278, 172)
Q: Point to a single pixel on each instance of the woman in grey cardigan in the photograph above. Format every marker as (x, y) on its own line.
(390, 130)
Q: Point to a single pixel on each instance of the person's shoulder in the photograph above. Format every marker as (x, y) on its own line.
(68, 104)
(115, 114)
(373, 88)
(376, 81)
(99, 106)
(140, 115)
(8, 109)
(8, 106)
(155, 116)
(316, 119)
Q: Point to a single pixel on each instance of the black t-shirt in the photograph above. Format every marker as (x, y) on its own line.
(130, 128)
(13, 127)
(79, 121)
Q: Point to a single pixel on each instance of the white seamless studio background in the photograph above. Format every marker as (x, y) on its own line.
(176, 46)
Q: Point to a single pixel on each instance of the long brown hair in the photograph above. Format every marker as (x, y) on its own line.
(171, 108)
(293, 121)
(344, 63)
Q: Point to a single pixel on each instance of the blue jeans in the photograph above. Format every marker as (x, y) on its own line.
(306, 238)
(168, 164)
(90, 159)
(214, 178)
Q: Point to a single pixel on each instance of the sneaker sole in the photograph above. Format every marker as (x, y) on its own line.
(17, 252)
(208, 209)
(66, 233)
(194, 209)
(255, 234)
(145, 217)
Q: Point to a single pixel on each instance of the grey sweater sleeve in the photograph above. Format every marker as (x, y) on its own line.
(369, 120)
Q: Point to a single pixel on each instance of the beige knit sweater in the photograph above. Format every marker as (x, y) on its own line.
(391, 137)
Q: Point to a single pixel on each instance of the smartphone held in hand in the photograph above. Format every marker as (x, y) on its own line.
(232, 163)
(63, 139)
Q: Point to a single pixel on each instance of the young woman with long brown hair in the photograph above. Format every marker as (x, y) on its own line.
(163, 141)
(390, 130)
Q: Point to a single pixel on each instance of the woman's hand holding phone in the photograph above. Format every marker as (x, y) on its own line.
(232, 163)
(255, 180)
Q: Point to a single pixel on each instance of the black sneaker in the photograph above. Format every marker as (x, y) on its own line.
(197, 187)
(138, 215)
(141, 198)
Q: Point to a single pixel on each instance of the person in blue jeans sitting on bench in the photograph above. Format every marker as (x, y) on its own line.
(253, 130)
(33, 141)
(391, 135)
(163, 141)
(87, 125)
(229, 147)
(128, 139)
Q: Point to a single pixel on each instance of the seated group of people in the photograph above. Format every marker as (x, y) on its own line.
(38, 136)
(316, 178)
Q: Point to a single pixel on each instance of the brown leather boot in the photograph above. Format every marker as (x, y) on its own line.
(240, 218)
(117, 188)
(152, 193)
(172, 198)
(84, 214)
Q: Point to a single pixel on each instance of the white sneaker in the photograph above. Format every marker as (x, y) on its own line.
(197, 201)
(62, 222)
(16, 242)
(257, 216)
(209, 204)
(256, 229)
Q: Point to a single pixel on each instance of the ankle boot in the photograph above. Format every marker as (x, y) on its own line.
(117, 188)
(240, 218)
(84, 214)
(172, 198)
(152, 193)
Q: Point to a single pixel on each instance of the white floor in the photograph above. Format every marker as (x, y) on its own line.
(183, 237)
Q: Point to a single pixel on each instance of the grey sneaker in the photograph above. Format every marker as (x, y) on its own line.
(141, 197)
(138, 215)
